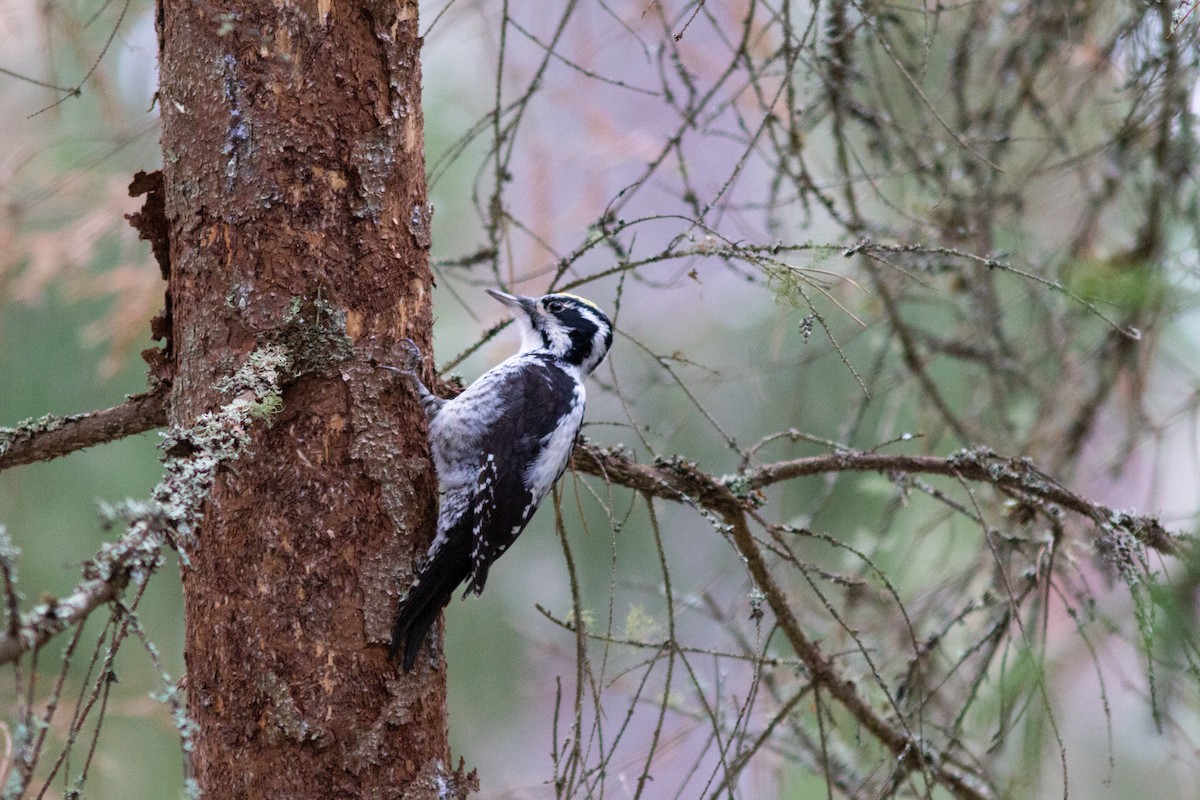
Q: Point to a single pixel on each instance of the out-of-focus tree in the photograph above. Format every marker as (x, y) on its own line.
(904, 302)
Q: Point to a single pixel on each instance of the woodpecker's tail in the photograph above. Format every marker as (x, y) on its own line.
(419, 609)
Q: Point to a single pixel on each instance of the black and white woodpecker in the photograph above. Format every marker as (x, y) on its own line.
(498, 449)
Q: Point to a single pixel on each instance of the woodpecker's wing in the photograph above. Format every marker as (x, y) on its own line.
(524, 451)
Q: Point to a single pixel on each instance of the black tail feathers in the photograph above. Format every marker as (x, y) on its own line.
(410, 631)
(419, 609)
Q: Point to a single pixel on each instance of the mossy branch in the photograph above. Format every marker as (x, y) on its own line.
(193, 457)
(677, 479)
(50, 436)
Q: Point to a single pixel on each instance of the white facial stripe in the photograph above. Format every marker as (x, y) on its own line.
(588, 314)
(555, 335)
(559, 340)
(598, 338)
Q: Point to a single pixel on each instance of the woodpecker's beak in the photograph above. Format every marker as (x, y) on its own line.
(517, 302)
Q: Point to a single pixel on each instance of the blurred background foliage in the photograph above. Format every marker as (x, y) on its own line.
(805, 218)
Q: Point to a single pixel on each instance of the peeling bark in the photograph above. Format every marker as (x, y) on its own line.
(294, 178)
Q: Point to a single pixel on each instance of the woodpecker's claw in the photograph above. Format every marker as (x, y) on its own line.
(397, 370)
(412, 352)
(411, 357)
(430, 402)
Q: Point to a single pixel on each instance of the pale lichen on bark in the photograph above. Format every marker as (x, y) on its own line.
(193, 457)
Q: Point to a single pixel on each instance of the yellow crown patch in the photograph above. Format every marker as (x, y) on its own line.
(583, 300)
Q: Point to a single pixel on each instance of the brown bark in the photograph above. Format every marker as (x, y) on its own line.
(294, 175)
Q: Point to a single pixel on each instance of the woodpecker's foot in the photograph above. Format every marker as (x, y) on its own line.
(411, 355)
(408, 373)
(410, 359)
(411, 370)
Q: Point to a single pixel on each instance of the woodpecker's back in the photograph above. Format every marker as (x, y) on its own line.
(499, 447)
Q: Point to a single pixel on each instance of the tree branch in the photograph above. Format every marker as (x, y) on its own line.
(908, 749)
(105, 579)
(729, 499)
(977, 464)
(680, 480)
(194, 455)
(50, 437)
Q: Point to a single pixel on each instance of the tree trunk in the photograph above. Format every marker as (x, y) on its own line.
(294, 178)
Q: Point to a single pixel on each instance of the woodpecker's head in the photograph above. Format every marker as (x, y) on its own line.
(572, 328)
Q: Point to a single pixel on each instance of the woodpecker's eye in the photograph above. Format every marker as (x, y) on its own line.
(555, 306)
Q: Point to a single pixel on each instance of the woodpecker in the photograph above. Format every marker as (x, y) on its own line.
(498, 448)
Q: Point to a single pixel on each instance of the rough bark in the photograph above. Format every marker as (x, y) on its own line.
(294, 179)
